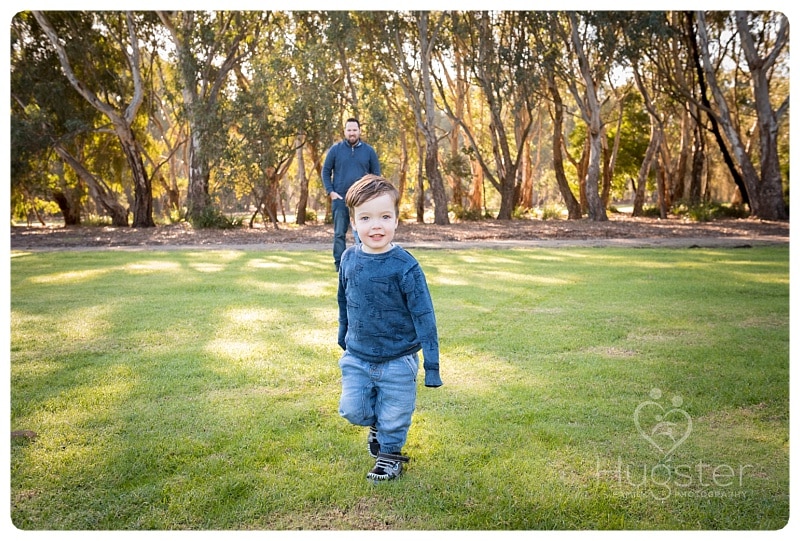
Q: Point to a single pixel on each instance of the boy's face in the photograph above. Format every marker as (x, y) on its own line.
(375, 221)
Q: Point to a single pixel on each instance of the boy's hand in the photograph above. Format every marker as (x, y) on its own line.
(432, 378)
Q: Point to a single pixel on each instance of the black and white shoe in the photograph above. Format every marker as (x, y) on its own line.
(388, 466)
(373, 447)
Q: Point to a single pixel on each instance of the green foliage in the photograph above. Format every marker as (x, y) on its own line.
(176, 215)
(551, 212)
(651, 211)
(213, 218)
(466, 215)
(634, 138)
(198, 390)
(520, 213)
(470, 215)
(706, 212)
(311, 215)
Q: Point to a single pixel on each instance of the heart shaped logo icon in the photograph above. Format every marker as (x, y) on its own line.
(665, 429)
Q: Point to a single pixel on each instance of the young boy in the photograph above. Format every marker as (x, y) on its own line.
(385, 317)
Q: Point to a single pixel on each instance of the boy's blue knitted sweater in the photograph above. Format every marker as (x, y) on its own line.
(385, 309)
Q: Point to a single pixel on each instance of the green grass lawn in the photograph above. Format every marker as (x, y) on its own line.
(584, 389)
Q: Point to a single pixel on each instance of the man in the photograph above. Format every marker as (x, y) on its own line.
(348, 160)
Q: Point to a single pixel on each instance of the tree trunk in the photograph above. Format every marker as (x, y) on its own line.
(581, 167)
(143, 189)
(302, 179)
(402, 172)
(597, 212)
(591, 112)
(98, 191)
(698, 165)
(644, 171)
(611, 162)
(678, 182)
(271, 195)
(459, 87)
(440, 212)
(69, 209)
(173, 194)
(524, 197)
(573, 206)
(663, 199)
(771, 203)
(419, 200)
(715, 128)
(197, 196)
(475, 196)
(522, 183)
(607, 172)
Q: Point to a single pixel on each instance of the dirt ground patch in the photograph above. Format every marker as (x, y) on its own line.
(618, 229)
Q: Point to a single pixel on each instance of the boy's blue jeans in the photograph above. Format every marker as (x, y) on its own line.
(380, 394)
(341, 223)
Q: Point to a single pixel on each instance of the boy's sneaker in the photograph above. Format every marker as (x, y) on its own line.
(388, 466)
(372, 442)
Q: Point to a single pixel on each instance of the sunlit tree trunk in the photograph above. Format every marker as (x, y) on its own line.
(572, 204)
(302, 181)
(764, 191)
(590, 108)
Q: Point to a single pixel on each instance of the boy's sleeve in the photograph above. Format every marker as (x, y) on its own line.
(420, 304)
(342, 300)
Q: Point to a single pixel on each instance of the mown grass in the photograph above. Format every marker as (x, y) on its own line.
(199, 390)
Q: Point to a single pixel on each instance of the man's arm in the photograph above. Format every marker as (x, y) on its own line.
(374, 164)
(327, 168)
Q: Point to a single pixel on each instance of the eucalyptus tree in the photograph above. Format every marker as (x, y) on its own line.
(208, 46)
(667, 45)
(633, 123)
(369, 92)
(763, 37)
(309, 83)
(393, 132)
(504, 68)
(46, 115)
(406, 42)
(591, 43)
(670, 52)
(341, 33)
(262, 135)
(549, 49)
(643, 30)
(456, 92)
(95, 41)
(169, 160)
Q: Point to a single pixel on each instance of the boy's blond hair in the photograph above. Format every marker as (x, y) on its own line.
(369, 187)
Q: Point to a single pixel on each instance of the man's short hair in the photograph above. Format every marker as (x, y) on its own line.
(369, 187)
(351, 119)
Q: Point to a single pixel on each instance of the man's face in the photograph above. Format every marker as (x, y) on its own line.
(352, 132)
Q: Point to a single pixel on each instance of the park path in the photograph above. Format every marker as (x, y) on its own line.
(650, 242)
